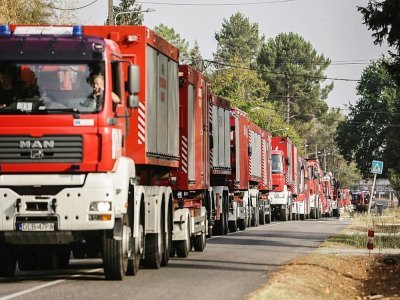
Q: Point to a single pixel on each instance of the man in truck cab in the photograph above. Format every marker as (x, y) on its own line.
(98, 89)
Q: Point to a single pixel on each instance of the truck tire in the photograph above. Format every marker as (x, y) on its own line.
(8, 263)
(268, 218)
(242, 224)
(284, 214)
(27, 262)
(312, 213)
(153, 250)
(116, 254)
(199, 242)
(232, 226)
(182, 247)
(166, 239)
(262, 215)
(78, 252)
(63, 259)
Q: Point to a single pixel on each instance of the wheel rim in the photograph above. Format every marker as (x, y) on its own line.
(126, 249)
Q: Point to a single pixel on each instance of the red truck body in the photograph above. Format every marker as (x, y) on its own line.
(302, 200)
(314, 186)
(282, 200)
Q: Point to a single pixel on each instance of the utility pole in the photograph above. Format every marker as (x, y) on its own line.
(324, 154)
(110, 12)
(288, 103)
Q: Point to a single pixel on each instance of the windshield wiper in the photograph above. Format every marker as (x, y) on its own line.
(76, 112)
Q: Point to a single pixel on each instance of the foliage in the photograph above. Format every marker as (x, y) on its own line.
(134, 18)
(362, 136)
(294, 71)
(394, 179)
(196, 60)
(383, 19)
(25, 12)
(170, 35)
(64, 14)
(238, 39)
(240, 85)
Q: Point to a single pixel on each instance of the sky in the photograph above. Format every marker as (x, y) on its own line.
(333, 27)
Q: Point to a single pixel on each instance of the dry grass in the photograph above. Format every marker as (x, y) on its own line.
(328, 276)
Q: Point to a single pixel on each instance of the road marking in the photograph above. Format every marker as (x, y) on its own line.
(11, 296)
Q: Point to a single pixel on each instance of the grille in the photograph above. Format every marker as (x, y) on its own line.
(14, 149)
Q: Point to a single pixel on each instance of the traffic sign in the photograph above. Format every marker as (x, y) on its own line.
(377, 167)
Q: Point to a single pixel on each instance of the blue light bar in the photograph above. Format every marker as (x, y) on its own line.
(77, 30)
(5, 29)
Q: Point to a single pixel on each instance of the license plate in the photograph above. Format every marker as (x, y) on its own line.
(36, 226)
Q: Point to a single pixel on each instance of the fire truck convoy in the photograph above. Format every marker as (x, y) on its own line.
(136, 181)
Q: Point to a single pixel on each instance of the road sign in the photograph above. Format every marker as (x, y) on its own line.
(377, 167)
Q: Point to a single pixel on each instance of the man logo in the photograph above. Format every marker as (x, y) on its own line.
(36, 144)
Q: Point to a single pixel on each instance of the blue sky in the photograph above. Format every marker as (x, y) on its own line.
(333, 27)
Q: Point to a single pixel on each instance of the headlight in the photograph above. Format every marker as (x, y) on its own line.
(100, 206)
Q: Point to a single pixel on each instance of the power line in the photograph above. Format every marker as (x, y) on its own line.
(279, 73)
(73, 8)
(215, 4)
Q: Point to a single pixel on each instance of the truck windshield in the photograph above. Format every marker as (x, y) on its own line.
(277, 166)
(51, 88)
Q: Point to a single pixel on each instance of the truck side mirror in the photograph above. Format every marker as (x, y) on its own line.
(287, 161)
(133, 84)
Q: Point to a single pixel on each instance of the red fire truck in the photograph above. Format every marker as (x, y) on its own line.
(314, 186)
(284, 180)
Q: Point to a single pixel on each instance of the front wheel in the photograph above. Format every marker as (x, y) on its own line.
(116, 254)
(200, 242)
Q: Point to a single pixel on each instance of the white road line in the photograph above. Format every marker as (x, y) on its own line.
(11, 296)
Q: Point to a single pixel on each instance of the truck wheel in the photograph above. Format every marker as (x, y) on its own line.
(242, 224)
(8, 263)
(232, 226)
(268, 218)
(182, 247)
(200, 242)
(27, 262)
(284, 214)
(302, 217)
(116, 254)
(312, 213)
(78, 252)
(63, 259)
(166, 239)
(153, 250)
(261, 216)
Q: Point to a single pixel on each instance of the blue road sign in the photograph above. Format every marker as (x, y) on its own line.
(376, 167)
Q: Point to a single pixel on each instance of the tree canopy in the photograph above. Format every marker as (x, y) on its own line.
(363, 135)
(238, 39)
(382, 17)
(134, 17)
(294, 71)
(170, 35)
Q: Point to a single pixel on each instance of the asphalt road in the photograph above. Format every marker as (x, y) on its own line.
(230, 267)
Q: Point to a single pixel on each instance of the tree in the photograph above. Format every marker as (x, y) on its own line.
(363, 135)
(383, 18)
(169, 34)
(25, 12)
(294, 71)
(134, 18)
(196, 60)
(238, 38)
(63, 12)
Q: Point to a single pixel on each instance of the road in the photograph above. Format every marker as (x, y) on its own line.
(230, 268)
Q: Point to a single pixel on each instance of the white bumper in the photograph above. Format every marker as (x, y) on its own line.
(68, 208)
